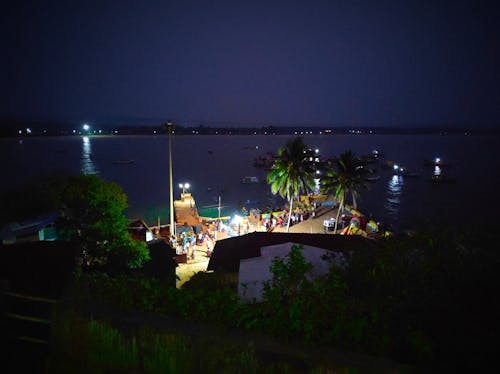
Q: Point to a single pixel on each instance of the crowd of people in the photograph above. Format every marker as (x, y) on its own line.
(187, 241)
(300, 213)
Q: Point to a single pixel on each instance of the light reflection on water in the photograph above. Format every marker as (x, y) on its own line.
(87, 163)
(393, 200)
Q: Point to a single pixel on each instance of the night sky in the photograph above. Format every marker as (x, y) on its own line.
(400, 63)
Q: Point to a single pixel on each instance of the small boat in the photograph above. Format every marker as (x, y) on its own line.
(123, 161)
(248, 180)
(410, 174)
(373, 178)
(440, 179)
(436, 162)
(373, 157)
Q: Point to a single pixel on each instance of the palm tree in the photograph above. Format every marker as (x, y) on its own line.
(348, 173)
(292, 172)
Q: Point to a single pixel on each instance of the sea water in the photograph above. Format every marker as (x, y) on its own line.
(215, 165)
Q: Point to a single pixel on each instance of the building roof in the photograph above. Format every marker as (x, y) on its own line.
(29, 227)
(228, 252)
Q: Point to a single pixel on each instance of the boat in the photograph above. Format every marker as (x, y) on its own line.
(265, 161)
(372, 157)
(403, 171)
(248, 180)
(410, 174)
(436, 162)
(440, 179)
(373, 178)
(123, 161)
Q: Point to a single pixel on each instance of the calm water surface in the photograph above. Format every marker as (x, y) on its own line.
(214, 165)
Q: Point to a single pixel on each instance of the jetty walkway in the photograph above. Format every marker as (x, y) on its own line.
(186, 211)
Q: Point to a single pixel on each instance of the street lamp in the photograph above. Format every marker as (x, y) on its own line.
(184, 187)
(86, 127)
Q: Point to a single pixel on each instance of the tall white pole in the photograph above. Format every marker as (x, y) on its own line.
(172, 219)
(219, 208)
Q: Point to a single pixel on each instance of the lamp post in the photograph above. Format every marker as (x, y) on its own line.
(170, 128)
(184, 187)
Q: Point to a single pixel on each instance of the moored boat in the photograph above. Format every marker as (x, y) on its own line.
(123, 161)
(248, 180)
(436, 162)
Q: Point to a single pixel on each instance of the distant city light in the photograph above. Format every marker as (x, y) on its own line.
(74, 131)
(396, 167)
(316, 150)
(20, 132)
(86, 127)
(28, 130)
(438, 160)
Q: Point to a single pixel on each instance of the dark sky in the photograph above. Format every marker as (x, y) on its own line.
(249, 62)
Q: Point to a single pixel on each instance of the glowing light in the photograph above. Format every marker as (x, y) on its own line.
(184, 186)
(396, 167)
(316, 150)
(86, 127)
(20, 132)
(28, 131)
(438, 160)
(237, 220)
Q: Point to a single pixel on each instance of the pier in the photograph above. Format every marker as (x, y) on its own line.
(186, 211)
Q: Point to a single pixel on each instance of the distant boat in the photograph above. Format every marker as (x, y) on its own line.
(436, 162)
(373, 157)
(248, 180)
(373, 179)
(440, 179)
(123, 161)
(410, 174)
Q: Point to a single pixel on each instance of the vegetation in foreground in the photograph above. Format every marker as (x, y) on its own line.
(422, 300)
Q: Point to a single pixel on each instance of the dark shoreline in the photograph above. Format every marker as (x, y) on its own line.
(20, 131)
